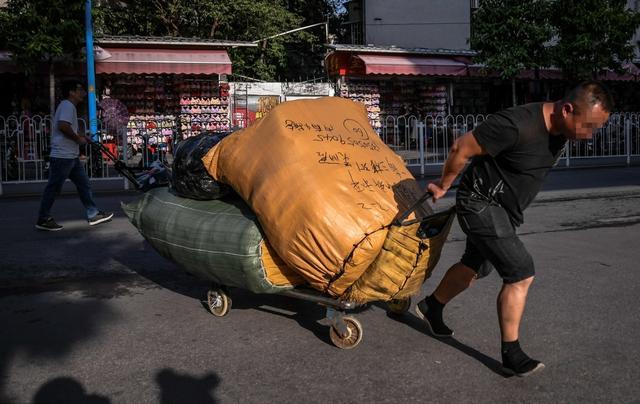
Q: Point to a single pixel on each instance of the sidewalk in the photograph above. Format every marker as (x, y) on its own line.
(28, 256)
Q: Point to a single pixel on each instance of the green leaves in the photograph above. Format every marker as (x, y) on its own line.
(287, 57)
(582, 37)
(37, 30)
(593, 35)
(511, 35)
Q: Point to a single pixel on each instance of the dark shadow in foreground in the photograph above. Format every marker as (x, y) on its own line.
(181, 388)
(66, 390)
(418, 325)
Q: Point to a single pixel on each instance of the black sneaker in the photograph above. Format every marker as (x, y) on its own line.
(522, 369)
(101, 217)
(48, 225)
(436, 326)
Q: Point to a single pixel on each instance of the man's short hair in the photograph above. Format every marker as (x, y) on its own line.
(69, 85)
(588, 94)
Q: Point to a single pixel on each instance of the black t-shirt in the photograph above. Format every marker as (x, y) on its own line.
(520, 152)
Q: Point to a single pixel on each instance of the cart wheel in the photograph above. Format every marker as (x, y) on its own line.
(399, 306)
(218, 302)
(353, 337)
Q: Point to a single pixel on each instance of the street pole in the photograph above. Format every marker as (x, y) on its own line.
(91, 73)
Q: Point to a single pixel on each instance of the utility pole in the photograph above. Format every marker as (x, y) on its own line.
(91, 73)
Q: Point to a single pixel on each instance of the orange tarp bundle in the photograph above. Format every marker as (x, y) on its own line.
(321, 182)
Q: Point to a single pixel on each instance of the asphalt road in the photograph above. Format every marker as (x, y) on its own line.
(95, 315)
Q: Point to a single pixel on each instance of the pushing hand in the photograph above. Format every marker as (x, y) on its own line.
(436, 190)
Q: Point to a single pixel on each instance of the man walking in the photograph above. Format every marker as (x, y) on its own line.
(511, 153)
(64, 162)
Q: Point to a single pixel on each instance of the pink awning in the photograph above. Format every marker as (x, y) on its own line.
(162, 61)
(631, 73)
(412, 65)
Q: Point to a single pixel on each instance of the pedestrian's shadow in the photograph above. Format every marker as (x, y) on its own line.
(418, 325)
(68, 391)
(181, 388)
(46, 329)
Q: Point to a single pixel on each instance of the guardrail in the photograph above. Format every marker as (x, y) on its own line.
(426, 142)
(422, 143)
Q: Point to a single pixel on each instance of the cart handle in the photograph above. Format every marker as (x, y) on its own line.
(401, 220)
(119, 165)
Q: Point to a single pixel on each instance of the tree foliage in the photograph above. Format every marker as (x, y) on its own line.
(42, 30)
(582, 37)
(37, 30)
(288, 57)
(511, 35)
(593, 35)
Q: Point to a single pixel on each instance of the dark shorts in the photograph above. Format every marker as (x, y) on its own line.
(492, 241)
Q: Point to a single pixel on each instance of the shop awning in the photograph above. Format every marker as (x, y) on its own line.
(413, 65)
(631, 73)
(162, 61)
(342, 63)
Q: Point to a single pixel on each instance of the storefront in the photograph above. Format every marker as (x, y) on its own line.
(253, 100)
(172, 88)
(394, 82)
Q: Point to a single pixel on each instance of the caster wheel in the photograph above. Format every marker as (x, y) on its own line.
(353, 336)
(399, 306)
(218, 302)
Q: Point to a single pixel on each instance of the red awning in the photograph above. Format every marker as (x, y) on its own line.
(631, 73)
(162, 61)
(360, 64)
(413, 65)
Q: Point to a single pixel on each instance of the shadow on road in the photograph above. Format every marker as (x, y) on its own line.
(46, 328)
(308, 315)
(418, 325)
(68, 391)
(180, 388)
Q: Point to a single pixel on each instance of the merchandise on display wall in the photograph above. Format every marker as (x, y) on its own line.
(394, 98)
(471, 98)
(151, 104)
(204, 107)
(163, 108)
(367, 94)
(413, 97)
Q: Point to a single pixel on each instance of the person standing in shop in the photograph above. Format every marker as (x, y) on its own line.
(65, 163)
(510, 153)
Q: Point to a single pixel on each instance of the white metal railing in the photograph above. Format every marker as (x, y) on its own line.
(425, 142)
(24, 144)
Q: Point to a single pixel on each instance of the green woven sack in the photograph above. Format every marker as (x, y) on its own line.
(216, 240)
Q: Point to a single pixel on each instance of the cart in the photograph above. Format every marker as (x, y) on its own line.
(155, 176)
(345, 331)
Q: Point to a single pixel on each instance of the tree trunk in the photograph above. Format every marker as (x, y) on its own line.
(513, 92)
(214, 26)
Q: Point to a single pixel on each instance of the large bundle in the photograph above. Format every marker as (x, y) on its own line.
(408, 256)
(189, 178)
(217, 240)
(322, 184)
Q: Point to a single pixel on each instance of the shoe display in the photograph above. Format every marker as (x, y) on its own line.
(48, 225)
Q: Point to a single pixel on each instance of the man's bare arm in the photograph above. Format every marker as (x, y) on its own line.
(464, 148)
(67, 130)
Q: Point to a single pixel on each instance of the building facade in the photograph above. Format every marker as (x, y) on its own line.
(410, 23)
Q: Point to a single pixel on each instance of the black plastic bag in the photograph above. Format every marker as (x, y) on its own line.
(189, 178)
